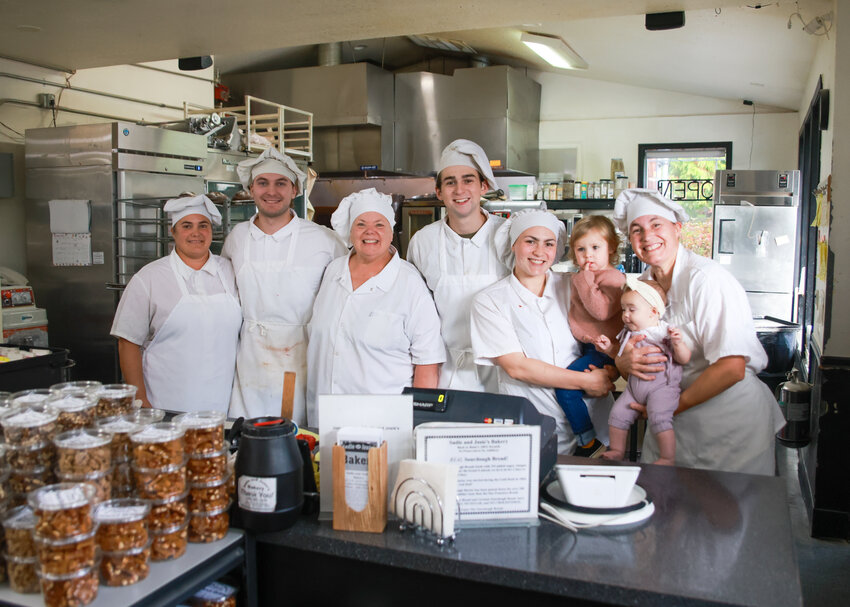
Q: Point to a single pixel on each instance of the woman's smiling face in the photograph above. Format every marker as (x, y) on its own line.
(534, 251)
(655, 239)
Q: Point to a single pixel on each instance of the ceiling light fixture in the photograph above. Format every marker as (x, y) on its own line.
(554, 50)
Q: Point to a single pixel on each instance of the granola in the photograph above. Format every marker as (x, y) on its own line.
(122, 524)
(157, 483)
(63, 556)
(30, 424)
(18, 524)
(212, 495)
(83, 451)
(168, 512)
(71, 590)
(101, 481)
(158, 445)
(62, 510)
(203, 467)
(204, 431)
(120, 428)
(125, 567)
(209, 526)
(169, 543)
(76, 408)
(21, 482)
(115, 399)
(27, 457)
(23, 576)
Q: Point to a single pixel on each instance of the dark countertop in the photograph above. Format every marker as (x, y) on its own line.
(715, 538)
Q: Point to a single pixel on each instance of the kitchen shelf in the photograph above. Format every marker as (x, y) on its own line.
(592, 204)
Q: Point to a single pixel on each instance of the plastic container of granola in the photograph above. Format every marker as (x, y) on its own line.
(27, 457)
(168, 512)
(122, 524)
(90, 386)
(76, 408)
(101, 481)
(83, 451)
(169, 543)
(120, 428)
(62, 510)
(29, 397)
(209, 495)
(23, 573)
(145, 416)
(29, 424)
(203, 467)
(158, 445)
(115, 399)
(157, 483)
(73, 589)
(21, 482)
(204, 431)
(125, 567)
(60, 556)
(214, 595)
(122, 479)
(209, 526)
(18, 524)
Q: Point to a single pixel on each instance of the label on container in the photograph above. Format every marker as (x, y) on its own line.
(121, 514)
(60, 499)
(257, 493)
(29, 418)
(72, 403)
(82, 440)
(215, 592)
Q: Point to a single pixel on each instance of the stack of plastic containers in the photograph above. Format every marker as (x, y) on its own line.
(125, 545)
(85, 456)
(114, 400)
(29, 429)
(76, 407)
(65, 544)
(18, 524)
(209, 495)
(159, 472)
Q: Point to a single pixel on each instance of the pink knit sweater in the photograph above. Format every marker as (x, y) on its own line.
(595, 304)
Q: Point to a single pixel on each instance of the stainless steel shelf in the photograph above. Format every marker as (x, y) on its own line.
(590, 204)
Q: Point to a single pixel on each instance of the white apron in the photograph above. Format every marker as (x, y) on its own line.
(189, 365)
(453, 295)
(277, 302)
(734, 431)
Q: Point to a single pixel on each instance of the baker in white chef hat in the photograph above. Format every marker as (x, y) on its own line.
(510, 231)
(637, 202)
(354, 205)
(178, 208)
(270, 162)
(463, 152)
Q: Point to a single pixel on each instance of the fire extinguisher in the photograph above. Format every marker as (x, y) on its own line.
(795, 400)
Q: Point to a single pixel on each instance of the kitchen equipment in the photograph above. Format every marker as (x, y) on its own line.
(795, 401)
(269, 474)
(46, 366)
(756, 236)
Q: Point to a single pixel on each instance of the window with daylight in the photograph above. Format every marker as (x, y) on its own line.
(684, 172)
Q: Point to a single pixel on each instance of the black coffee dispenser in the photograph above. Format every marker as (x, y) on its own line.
(269, 474)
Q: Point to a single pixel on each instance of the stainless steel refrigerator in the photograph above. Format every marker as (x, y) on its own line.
(94, 218)
(756, 236)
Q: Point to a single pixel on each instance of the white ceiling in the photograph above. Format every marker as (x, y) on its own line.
(725, 50)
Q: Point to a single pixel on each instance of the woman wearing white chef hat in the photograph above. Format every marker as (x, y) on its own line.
(520, 324)
(727, 418)
(457, 258)
(279, 260)
(178, 320)
(375, 329)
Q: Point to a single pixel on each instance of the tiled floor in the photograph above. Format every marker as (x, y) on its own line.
(824, 564)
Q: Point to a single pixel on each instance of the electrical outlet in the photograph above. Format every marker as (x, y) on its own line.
(47, 100)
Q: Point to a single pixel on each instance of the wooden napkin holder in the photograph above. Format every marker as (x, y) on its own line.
(373, 518)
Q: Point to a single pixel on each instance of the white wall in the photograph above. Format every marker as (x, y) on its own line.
(608, 120)
(168, 89)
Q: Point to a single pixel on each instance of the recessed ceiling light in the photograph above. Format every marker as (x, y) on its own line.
(554, 50)
(359, 47)
(28, 28)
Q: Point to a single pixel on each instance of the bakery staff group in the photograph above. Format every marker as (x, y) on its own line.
(475, 307)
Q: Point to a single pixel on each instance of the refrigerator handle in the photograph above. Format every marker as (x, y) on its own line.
(720, 247)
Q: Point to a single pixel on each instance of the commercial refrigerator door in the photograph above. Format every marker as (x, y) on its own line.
(758, 245)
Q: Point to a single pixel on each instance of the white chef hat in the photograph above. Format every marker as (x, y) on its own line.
(650, 294)
(270, 161)
(354, 205)
(463, 152)
(637, 202)
(178, 208)
(516, 224)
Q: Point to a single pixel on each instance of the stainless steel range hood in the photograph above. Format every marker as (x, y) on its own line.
(363, 115)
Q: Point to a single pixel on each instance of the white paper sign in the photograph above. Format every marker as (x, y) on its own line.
(499, 467)
(71, 249)
(390, 412)
(69, 216)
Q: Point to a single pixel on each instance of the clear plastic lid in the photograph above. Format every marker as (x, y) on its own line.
(146, 416)
(161, 432)
(215, 512)
(63, 541)
(83, 438)
(122, 510)
(61, 496)
(72, 400)
(119, 424)
(200, 419)
(172, 529)
(76, 574)
(89, 386)
(181, 466)
(82, 477)
(213, 483)
(21, 560)
(221, 452)
(29, 397)
(117, 391)
(168, 500)
(29, 416)
(128, 551)
(21, 517)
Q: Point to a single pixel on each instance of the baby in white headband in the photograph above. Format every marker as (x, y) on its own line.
(643, 305)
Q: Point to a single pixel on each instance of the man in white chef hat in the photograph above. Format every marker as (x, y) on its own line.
(279, 260)
(178, 320)
(457, 258)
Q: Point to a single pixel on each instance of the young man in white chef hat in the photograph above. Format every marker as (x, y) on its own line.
(457, 258)
(279, 260)
(178, 320)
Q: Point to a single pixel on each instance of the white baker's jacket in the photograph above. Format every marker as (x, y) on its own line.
(508, 318)
(734, 431)
(455, 269)
(367, 341)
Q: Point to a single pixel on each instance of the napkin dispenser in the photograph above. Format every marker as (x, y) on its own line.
(437, 405)
(597, 486)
